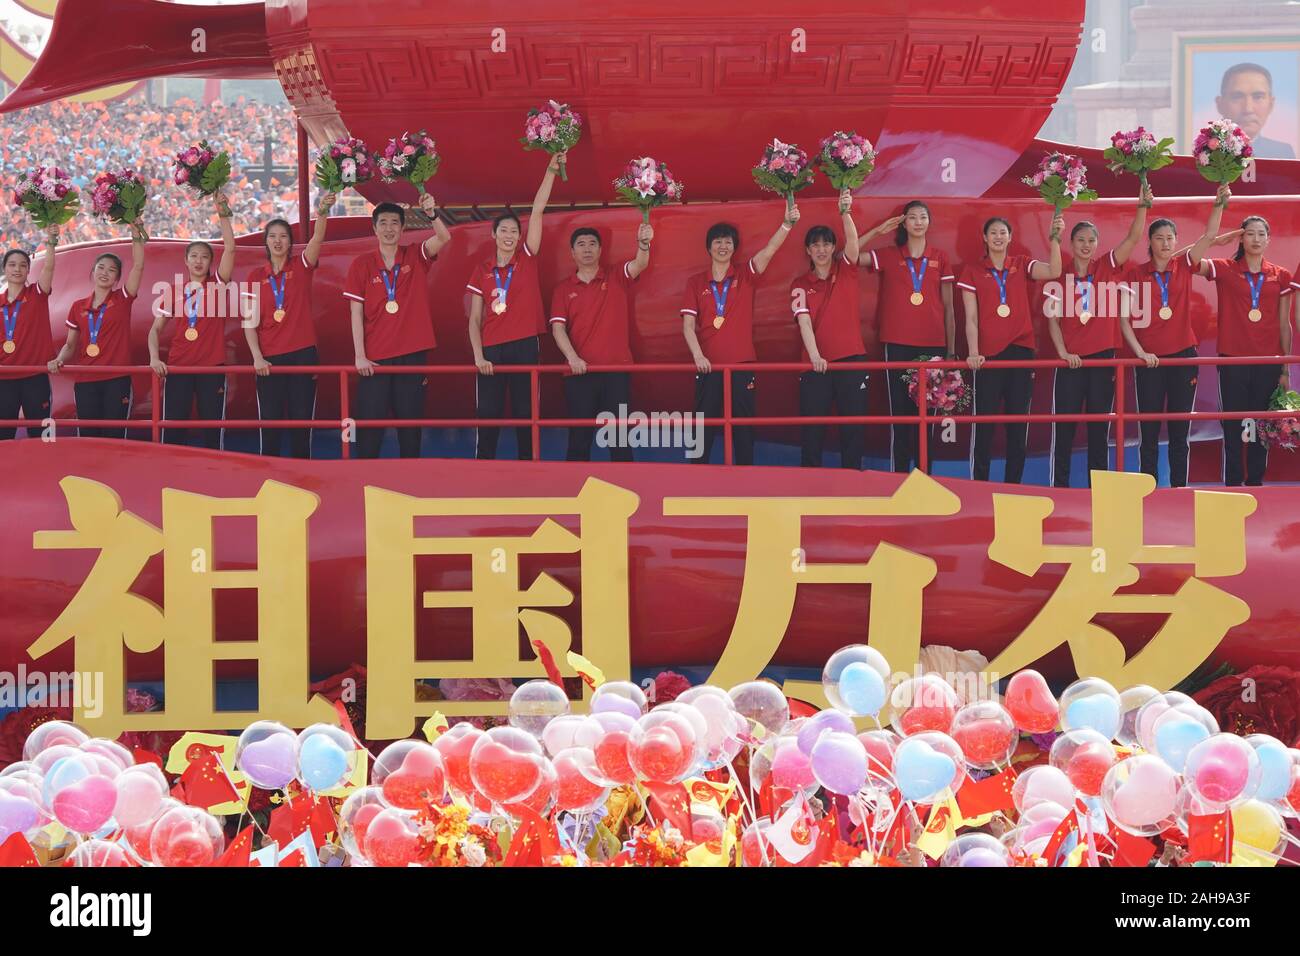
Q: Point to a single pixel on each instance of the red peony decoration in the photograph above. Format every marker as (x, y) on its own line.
(669, 685)
(1259, 700)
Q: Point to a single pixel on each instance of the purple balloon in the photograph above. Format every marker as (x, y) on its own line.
(613, 703)
(839, 762)
(17, 815)
(818, 724)
(981, 857)
(270, 763)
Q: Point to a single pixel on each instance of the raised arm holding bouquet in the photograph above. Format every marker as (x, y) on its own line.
(202, 169)
(345, 162)
(120, 198)
(1138, 151)
(48, 196)
(554, 128)
(1222, 153)
(784, 170)
(412, 157)
(1061, 180)
(847, 159)
(646, 184)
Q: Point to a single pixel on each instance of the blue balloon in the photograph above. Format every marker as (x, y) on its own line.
(322, 763)
(1176, 737)
(1099, 712)
(922, 771)
(862, 689)
(1274, 770)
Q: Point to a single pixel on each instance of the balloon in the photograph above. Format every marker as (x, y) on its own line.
(925, 703)
(1084, 756)
(699, 727)
(141, 789)
(986, 733)
(812, 728)
(410, 774)
(355, 816)
(1091, 703)
(926, 765)
(880, 746)
(619, 696)
(325, 757)
(1131, 702)
(1042, 784)
(975, 850)
(53, 733)
(543, 795)
(391, 838)
(1257, 832)
(186, 836)
(755, 849)
(855, 678)
(267, 754)
(724, 725)
(562, 732)
(535, 704)
(1140, 793)
(791, 767)
(763, 704)
(79, 793)
(839, 762)
(1274, 767)
(20, 809)
(99, 853)
(455, 746)
(505, 764)
(1222, 770)
(577, 786)
(44, 761)
(661, 746)
(1148, 713)
(111, 749)
(138, 838)
(609, 747)
(1030, 702)
(1176, 733)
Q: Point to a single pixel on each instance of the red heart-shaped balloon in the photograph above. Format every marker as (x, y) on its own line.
(503, 774)
(1031, 702)
(419, 780)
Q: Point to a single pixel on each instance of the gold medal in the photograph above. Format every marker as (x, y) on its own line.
(1254, 315)
(1166, 312)
(192, 333)
(92, 350)
(392, 307)
(717, 323)
(499, 306)
(917, 298)
(10, 347)
(278, 315)
(1004, 310)
(1085, 317)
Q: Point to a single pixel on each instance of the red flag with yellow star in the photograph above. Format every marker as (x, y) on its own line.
(289, 820)
(238, 853)
(293, 859)
(534, 842)
(1209, 837)
(16, 851)
(1131, 850)
(205, 782)
(1067, 826)
(989, 795)
(672, 803)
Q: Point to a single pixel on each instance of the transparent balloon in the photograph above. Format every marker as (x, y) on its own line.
(1223, 770)
(1274, 767)
(542, 798)
(111, 749)
(1085, 756)
(839, 762)
(1140, 794)
(53, 733)
(1258, 833)
(1093, 704)
(411, 775)
(355, 815)
(141, 789)
(975, 850)
(880, 746)
(986, 733)
(855, 679)
(819, 723)
(620, 696)
(763, 704)
(186, 836)
(456, 745)
(326, 757)
(80, 793)
(392, 839)
(267, 754)
(1178, 730)
(724, 725)
(1030, 702)
(99, 853)
(579, 785)
(535, 704)
(138, 838)
(929, 766)
(1148, 713)
(505, 764)
(1042, 784)
(21, 809)
(1131, 702)
(608, 737)
(562, 732)
(661, 747)
(925, 703)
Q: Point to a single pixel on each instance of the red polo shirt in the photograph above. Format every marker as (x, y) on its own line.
(596, 315)
(1165, 336)
(211, 304)
(33, 342)
(833, 304)
(524, 316)
(114, 338)
(410, 329)
(899, 321)
(1237, 334)
(298, 330)
(734, 342)
(1101, 331)
(996, 332)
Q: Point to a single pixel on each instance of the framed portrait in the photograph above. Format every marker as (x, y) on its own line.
(1251, 78)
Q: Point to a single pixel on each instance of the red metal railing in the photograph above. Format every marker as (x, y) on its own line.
(1119, 417)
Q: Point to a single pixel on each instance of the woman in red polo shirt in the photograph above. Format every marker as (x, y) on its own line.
(1254, 319)
(99, 333)
(1083, 322)
(282, 331)
(999, 328)
(27, 341)
(826, 301)
(914, 314)
(1159, 325)
(199, 337)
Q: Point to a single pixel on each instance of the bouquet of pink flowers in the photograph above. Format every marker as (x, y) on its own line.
(119, 197)
(1281, 432)
(784, 170)
(412, 156)
(1062, 180)
(946, 393)
(49, 196)
(1222, 151)
(202, 169)
(554, 128)
(345, 162)
(646, 184)
(1138, 151)
(847, 159)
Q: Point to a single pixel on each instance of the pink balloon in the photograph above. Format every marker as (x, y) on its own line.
(791, 767)
(139, 796)
(85, 806)
(1147, 796)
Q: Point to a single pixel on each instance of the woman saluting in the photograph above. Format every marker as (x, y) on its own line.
(995, 294)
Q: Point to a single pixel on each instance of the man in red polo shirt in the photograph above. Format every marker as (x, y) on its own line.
(590, 319)
(388, 291)
(506, 329)
(717, 322)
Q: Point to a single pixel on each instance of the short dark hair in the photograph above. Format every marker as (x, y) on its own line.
(1245, 68)
(900, 234)
(583, 231)
(266, 233)
(16, 252)
(502, 218)
(819, 234)
(722, 230)
(1080, 226)
(384, 207)
(1159, 224)
(111, 258)
(1245, 223)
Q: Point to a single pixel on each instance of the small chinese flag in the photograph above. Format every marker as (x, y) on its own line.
(290, 820)
(548, 663)
(534, 842)
(293, 859)
(147, 756)
(238, 853)
(206, 784)
(988, 795)
(1209, 837)
(673, 804)
(940, 830)
(1131, 850)
(16, 851)
(1068, 825)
